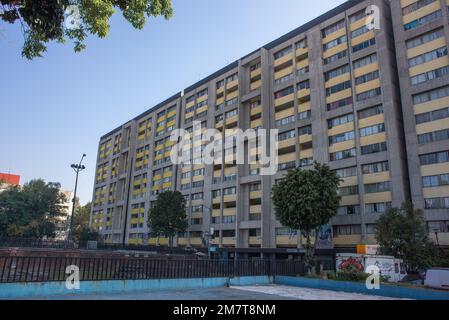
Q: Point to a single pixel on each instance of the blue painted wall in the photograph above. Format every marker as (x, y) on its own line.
(43, 289)
(355, 287)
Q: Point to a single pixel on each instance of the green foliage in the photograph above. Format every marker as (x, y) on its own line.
(86, 234)
(306, 200)
(31, 211)
(45, 21)
(402, 232)
(168, 215)
(81, 221)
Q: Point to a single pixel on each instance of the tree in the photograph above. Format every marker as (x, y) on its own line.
(306, 200)
(81, 221)
(57, 20)
(402, 232)
(168, 215)
(31, 211)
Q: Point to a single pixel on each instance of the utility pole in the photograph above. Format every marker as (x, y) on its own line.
(77, 168)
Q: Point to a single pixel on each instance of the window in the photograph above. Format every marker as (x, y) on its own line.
(359, 32)
(348, 210)
(369, 131)
(284, 79)
(436, 203)
(434, 158)
(433, 136)
(307, 130)
(302, 44)
(220, 84)
(334, 43)
(339, 104)
(304, 115)
(364, 45)
(232, 78)
(333, 28)
(255, 232)
(342, 137)
(336, 72)
(380, 208)
(378, 187)
(431, 95)
(282, 53)
(345, 154)
(348, 191)
(371, 112)
(369, 94)
(357, 16)
(230, 191)
(367, 77)
(365, 61)
(303, 85)
(285, 121)
(346, 230)
(228, 233)
(287, 135)
(335, 122)
(375, 167)
(435, 181)
(432, 116)
(231, 114)
(423, 20)
(335, 57)
(347, 172)
(415, 6)
(425, 38)
(428, 56)
(228, 219)
(430, 75)
(438, 226)
(338, 87)
(284, 93)
(374, 148)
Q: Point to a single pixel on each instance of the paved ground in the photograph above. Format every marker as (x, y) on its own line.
(309, 294)
(235, 293)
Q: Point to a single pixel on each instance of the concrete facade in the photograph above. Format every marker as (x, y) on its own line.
(331, 88)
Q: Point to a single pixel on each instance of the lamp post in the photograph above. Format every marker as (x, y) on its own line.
(77, 168)
(208, 235)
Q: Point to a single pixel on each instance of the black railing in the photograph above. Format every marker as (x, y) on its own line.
(149, 248)
(36, 243)
(49, 269)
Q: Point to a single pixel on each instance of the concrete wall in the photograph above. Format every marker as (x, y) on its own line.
(45, 289)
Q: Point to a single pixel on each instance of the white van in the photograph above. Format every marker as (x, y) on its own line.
(437, 278)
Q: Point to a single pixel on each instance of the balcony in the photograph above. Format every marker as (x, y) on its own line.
(257, 110)
(232, 85)
(255, 241)
(230, 198)
(255, 195)
(284, 100)
(283, 60)
(255, 209)
(228, 241)
(287, 241)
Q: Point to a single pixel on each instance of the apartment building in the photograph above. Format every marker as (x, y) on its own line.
(421, 30)
(330, 87)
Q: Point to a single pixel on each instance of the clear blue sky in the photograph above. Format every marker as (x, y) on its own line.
(56, 108)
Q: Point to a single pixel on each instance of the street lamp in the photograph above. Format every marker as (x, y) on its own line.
(77, 168)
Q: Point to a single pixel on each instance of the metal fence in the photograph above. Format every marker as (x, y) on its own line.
(48, 269)
(36, 243)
